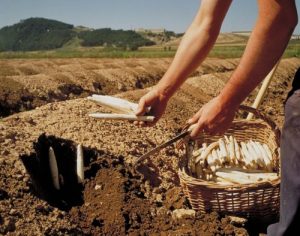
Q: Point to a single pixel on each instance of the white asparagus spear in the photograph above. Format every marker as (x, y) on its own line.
(244, 177)
(216, 158)
(244, 163)
(251, 151)
(114, 116)
(195, 155)
(247, 157)
(231, 178)
(267, 161)
(53, 169)
(211, 162)
(223, 150)
(237, 151)
(232, 155)
(205, 153)
(221, 181)
(209, 176)
(266, 147)
(115, 104)
(253, 156)
(79, 164)
(197, 152)
(220, 157)
(198, 158)
(241, 178)
(259, 159)
(226, 139)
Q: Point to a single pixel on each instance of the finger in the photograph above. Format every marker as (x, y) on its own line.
(141, 107)
(197, 130)
(195, 117)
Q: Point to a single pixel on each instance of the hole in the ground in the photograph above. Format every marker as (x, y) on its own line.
(71, 192)
(37, 165)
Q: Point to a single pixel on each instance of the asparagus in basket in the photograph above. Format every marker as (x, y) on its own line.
(209, 161)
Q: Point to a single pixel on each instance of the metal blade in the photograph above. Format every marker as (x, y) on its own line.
(158, 148)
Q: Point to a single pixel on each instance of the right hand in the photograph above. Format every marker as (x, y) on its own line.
(158, 103)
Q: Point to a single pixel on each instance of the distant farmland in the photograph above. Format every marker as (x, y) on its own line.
(220, 50)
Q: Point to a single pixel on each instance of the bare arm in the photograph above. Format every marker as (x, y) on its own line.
(194, 47)
(275, 24)
(267, 43)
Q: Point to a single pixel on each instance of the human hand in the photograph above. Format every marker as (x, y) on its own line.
(157, 102)
(213, 118)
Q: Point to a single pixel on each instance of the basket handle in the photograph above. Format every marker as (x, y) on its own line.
(265, 118)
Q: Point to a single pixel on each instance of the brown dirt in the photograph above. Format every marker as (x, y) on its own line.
(28, 83)
(114, 199)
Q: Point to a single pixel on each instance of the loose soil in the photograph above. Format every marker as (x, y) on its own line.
(26, 84)
(115, 199)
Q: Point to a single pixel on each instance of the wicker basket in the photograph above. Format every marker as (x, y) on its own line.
(250, 200)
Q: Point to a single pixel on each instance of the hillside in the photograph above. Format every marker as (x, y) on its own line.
(44, 34)
(127, 39)
(35, 34)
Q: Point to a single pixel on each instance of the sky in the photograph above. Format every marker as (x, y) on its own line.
(174, 15)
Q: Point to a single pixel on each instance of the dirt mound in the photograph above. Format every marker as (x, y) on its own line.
(26, 84)
(114, 199)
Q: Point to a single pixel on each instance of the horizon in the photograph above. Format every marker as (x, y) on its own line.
(120, 14)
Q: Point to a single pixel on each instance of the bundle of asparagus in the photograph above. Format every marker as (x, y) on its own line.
(229, 161)
(124, 109)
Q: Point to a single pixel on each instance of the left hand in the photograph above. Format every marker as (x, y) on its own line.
(213, 118)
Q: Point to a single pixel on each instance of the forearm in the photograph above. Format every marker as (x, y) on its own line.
(195, 45)
(193, 48)
(265, 47)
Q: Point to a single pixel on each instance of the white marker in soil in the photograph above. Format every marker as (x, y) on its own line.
(80, 172)
(53, 168)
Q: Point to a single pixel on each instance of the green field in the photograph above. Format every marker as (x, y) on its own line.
(219, 51)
